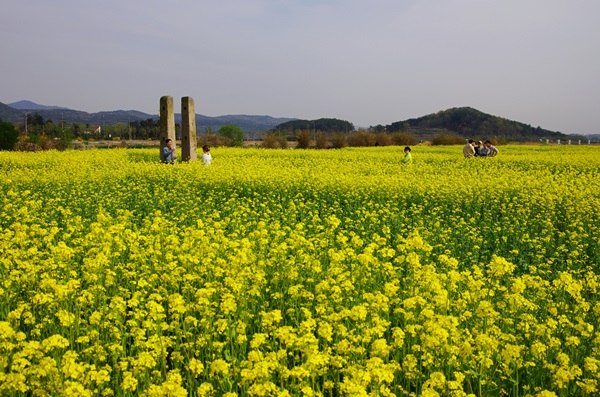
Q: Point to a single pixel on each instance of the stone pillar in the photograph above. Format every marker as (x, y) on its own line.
(188, 129)
(167, 123)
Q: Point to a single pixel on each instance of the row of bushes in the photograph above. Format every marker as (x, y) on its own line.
(214, 140)
(306, 139)
(354, 139)
(309, 139)
(38, 143)
(455, 139)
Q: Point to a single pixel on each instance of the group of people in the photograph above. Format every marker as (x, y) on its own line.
(479, 149)
(471, 149)
(170, 153)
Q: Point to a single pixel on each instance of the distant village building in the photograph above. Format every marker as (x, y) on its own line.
(96, 130)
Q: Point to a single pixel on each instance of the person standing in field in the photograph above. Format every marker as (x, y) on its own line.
(169, 152)
(206, 156)
(469, 149)
(407, 159)
(488, 149)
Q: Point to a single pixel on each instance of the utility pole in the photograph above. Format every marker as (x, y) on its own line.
(62, 123)
(25, 123)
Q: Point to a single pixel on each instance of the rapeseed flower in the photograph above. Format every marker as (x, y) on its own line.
(299, 273)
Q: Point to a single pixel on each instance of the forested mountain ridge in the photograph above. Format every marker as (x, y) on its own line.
(466, 122)
(28, 105)
(248, 123)
(10, 114)
(323, 125)
(471, 123)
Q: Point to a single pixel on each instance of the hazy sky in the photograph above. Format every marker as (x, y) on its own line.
(368, 62)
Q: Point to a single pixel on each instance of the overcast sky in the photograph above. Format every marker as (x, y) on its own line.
(368, 62)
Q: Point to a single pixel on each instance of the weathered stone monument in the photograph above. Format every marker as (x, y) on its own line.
(167, 123)
(188, 129)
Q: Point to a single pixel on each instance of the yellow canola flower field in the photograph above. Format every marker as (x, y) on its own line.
(301, 273)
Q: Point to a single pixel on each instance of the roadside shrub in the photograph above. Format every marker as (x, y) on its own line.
(361, 138)
(48, 143)
(34, 143)
(404, 139)
(364, 138)
(383, 139)
(321, 142)
(303, 139)
(24, 145)
(213, 140)
(337, 140)
(274, 142)
(448, 139)
(283, 143)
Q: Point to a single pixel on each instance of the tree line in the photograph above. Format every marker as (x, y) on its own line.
(324, 125)
(37, 133)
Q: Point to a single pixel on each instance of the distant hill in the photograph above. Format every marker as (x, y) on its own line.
(464, 121)
(593, 136)
(10, 114)
(28, 105)
(471, 123)
(324, 125)
(248, 123)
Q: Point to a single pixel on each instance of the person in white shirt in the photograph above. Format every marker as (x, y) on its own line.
(469, 149)
(206, 157)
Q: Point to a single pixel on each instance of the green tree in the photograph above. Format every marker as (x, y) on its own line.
(232, 132)
(118, 130)
(35, 119)
(145, 129)
(50, 128)
(8, 136)
(76, 129)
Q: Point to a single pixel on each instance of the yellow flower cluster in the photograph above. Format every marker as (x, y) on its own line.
(301, 273)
